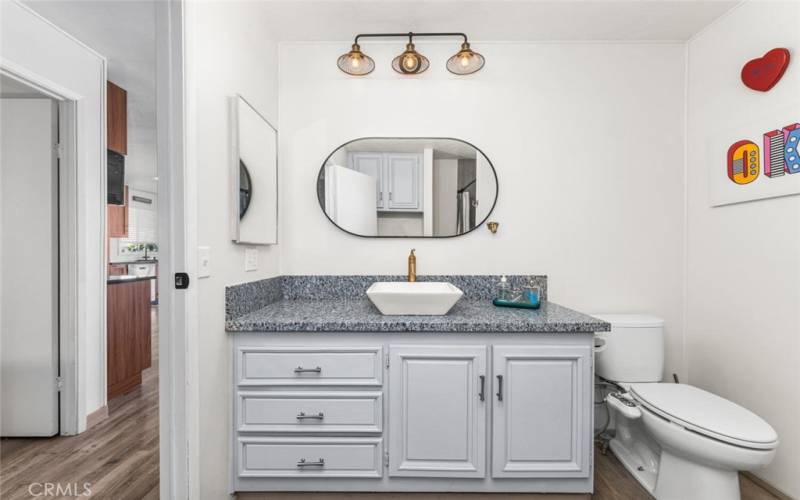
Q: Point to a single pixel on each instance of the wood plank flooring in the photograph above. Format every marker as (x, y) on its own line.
(119, 457)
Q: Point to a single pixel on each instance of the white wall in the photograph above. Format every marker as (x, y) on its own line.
(227, 52)
(36, 49)
(743, 261)
(587, 140)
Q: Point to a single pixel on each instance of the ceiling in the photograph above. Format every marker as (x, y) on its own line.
(489, 20)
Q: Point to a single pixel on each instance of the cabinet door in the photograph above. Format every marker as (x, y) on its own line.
(116, 119)
(370, 164)
(542, 411)
(437, 412)
(404, 181)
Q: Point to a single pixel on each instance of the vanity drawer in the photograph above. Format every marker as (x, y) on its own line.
(310, 411)
(296, 366)
(309, 457)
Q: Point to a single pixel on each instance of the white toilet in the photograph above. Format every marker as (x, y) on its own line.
(678, 441)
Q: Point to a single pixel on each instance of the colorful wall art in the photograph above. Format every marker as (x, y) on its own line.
(755, 165)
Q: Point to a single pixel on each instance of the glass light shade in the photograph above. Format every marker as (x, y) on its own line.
(410, 62)
(465, 61)
(356, 62)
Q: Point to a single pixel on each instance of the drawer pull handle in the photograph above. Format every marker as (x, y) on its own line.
(300, 369)
(302, 416)
(304, 463)
(499, 387)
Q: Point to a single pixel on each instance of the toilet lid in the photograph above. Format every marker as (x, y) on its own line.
(706, 413)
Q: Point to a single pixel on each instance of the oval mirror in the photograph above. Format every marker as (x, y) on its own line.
(407, 187)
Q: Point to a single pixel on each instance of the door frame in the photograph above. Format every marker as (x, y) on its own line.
(72, 413)
(177, 231)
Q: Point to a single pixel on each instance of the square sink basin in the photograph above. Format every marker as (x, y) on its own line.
(417, 298)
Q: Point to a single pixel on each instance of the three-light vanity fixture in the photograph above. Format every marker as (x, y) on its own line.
(410, 62)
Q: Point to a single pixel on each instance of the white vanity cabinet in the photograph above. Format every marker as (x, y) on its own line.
(452, 412)
(398, 178)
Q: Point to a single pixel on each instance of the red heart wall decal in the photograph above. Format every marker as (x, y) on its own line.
(763, 73)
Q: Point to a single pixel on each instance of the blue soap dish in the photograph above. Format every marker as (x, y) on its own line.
(520, 305)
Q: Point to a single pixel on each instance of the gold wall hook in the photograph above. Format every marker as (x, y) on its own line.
(492, 226)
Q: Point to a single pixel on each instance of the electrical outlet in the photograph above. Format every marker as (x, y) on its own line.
(250, 259)
(203, 262)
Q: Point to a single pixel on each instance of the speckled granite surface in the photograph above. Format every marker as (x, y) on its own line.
(359, 315)
(339, 304)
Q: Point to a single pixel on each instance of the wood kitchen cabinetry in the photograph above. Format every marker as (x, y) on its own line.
(116, 119)
(128, 343)
(117, 219)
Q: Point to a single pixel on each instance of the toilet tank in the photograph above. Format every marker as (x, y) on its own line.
(633, 350)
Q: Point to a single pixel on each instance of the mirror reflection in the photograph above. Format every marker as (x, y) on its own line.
(407, 187)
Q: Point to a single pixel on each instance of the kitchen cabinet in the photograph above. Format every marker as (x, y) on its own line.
(398, 179)
(117, 219)
(128, 330)
(116, 118)
(117, 269)
(437, 404)
(541, 424)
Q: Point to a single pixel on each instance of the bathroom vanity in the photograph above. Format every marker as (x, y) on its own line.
(330, 395)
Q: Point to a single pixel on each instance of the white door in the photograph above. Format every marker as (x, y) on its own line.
(404, 181)
(350, 200)
(372, 165)
(437, 411)
(29, 255)
(542, 411)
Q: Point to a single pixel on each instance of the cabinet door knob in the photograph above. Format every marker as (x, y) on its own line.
(499, 387)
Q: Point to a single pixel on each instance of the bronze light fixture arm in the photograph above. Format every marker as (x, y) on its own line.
(410, 35)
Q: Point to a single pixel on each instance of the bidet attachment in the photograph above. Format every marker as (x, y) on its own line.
(624, 404)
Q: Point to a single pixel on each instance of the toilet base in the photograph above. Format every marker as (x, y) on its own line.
(681, 479)
(639, 468)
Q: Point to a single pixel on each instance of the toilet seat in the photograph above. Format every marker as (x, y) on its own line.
(706, 413)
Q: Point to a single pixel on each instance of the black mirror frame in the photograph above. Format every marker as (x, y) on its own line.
(477, 225)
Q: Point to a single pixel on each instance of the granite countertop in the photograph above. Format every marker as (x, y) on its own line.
(338, 304)
(360, 315)
(127, 278)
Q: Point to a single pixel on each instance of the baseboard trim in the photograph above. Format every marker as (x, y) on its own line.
(96, 417)
(407, 496)
(760, 482)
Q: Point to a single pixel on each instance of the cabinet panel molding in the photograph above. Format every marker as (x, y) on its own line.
(437, 424)
(541, 423)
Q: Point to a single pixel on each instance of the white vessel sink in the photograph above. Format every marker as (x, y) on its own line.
(418, 298)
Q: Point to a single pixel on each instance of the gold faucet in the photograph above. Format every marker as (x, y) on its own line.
(412, 267)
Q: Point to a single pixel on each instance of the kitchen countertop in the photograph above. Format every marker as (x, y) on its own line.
(360, 315)
(127, 278)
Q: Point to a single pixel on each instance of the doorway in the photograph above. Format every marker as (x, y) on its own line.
(29, 335)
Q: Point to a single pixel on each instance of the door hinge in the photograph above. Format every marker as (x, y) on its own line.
(59, 383)
(386, 459)
(59, 150)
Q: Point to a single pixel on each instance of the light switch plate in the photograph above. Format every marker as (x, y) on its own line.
(250, 259)
(203, 262)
